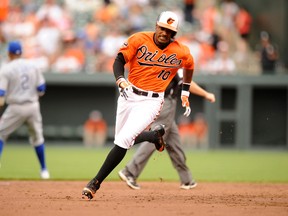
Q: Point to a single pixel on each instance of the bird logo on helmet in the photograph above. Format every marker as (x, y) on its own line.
(169, 20)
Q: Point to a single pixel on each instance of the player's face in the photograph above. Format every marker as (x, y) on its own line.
(162, 35)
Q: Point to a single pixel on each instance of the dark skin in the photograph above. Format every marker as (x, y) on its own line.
(163, 36)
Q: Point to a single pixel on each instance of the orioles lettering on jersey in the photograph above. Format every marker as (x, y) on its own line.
(151, 60)
(151, 68)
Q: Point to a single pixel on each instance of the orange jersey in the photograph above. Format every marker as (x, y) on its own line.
(151, 68)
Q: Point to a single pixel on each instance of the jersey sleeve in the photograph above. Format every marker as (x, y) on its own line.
(129, 48)
(3, 82)
(188, 59)
(41, 83)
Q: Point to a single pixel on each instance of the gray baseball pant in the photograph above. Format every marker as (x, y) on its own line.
(174, 148)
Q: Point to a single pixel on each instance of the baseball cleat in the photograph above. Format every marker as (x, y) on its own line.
(123, 175)
(45, 174)
(90, 189)
(188, 186)
(87, 193)
(160, 144)
(130, 181)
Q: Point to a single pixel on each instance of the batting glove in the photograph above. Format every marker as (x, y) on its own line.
(123, 93)
(123, 87)
(185, 102)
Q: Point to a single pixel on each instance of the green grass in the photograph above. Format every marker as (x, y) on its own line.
(78, 163)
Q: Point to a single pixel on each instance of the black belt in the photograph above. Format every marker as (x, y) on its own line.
(144, 93)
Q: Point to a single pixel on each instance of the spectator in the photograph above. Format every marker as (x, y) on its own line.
(82, 7)
(95, 130)
(243, 22)
(112, 42)
(193, 44)
(137, 20)
(72, 58)
(13, 19)
(55, 13)
(210, 18)
(4, 8)
(229, 10)
(107, 13)
(35, 54)
(200, 130)
(109, 46)
(189, 6)
(186, 132)
(90, 37)
(29, 6)
(268, 54)
(222, 63)
(193, 133)
(27, 26)
(49, 39)
(207, 50)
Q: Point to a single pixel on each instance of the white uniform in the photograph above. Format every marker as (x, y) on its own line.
(20, 82)
(143, 108)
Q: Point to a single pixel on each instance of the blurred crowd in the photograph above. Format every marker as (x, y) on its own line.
(83, 36)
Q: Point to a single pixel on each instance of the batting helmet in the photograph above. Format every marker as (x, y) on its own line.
(169, 20)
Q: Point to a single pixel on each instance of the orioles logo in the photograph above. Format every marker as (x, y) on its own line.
(170, 21)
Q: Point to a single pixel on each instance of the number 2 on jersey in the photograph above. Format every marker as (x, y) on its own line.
(24, 81)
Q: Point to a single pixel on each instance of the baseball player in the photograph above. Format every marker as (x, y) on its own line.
(21, 84)
(167, 117)
(153, 59)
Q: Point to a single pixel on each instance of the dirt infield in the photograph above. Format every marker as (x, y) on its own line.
(53, 198)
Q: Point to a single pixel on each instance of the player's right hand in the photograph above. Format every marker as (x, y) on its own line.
(123, 92)
(124, 84)
(123, 88)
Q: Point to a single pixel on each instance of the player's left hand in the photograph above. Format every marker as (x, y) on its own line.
(186, 104)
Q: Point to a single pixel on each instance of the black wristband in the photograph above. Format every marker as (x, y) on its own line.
(186, 86)
(119, 77)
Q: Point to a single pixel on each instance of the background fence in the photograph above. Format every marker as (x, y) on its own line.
(250, 111)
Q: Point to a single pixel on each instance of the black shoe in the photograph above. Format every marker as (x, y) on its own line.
(130, 181)
(90, 189)
(160, 144)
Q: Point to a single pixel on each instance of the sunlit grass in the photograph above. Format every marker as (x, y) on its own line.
(72, 162)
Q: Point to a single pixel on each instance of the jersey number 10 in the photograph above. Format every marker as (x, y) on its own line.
(164, 75)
